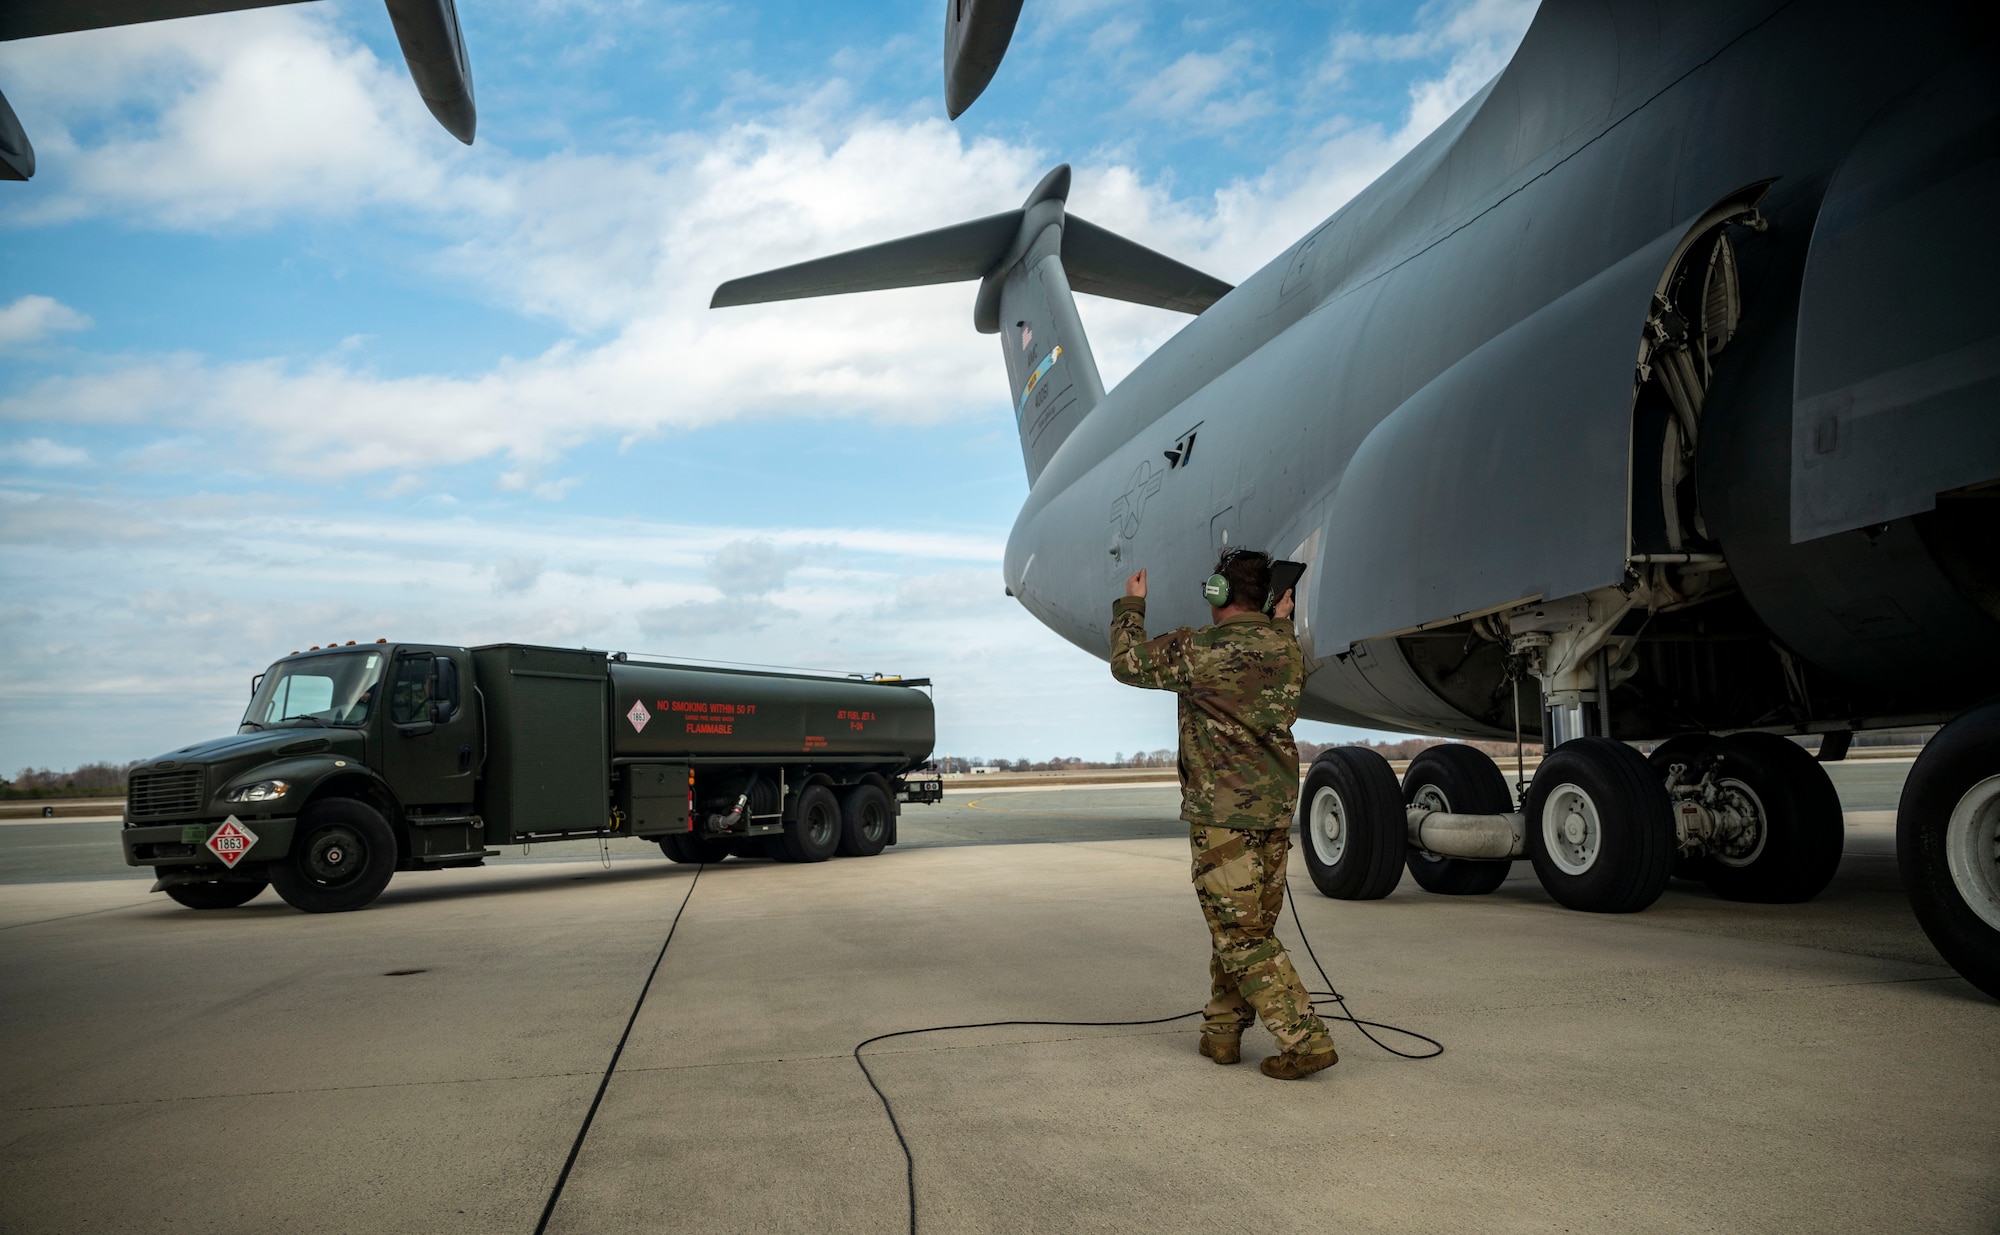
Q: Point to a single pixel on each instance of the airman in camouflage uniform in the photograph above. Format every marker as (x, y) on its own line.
(1239, 682)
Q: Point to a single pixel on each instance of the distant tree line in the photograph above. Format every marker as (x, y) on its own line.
(90, 780)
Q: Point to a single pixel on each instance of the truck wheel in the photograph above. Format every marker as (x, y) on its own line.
(1948, 844)
(1600, 828)
(342, 856)
(1790, 831)
(690, 849)
(814, 830)
(864, 821)
(1351, 825)
(1685, 749)
(1456, 778)
(220, 894)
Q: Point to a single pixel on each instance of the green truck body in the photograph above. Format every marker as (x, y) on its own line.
(354, 762)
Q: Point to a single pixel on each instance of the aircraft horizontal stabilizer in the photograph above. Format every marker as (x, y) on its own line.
(948, 255)
(1104, 263)
(1097, 261)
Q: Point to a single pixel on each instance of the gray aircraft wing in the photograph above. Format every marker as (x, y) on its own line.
(433, 47)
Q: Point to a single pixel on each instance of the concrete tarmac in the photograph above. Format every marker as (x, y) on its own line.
(425, 1065)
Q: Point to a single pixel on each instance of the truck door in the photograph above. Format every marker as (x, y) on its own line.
(432, 746)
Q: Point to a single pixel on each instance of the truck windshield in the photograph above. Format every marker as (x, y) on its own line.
(325, 690)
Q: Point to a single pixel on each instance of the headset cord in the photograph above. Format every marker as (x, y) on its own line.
(1332, 995)
(1329, 995)
(896, 1125)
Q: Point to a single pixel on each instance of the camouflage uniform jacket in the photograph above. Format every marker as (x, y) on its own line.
(1239, 684)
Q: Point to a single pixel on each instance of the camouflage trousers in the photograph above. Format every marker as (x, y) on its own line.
(1239, 878)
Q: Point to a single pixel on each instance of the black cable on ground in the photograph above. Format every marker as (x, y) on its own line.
(1330, 994)
(555, 1193)
(896, 1125)
(1327, 995)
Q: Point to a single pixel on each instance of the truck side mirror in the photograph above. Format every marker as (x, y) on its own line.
(444, 689)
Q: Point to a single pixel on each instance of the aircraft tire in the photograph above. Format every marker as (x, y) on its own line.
(221, 894)
(813, 832)
(343, 854)
(1683, 748)
(1949, 819)
(1600, 828)
(1456, 778)
(1351, 825)
(1804, 831)
(864, 821)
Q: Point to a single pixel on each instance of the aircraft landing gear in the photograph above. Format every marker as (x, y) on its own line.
(1456, 778)
(1948, 844)
(1756, 817)
(1351, 825)
(1600, 831)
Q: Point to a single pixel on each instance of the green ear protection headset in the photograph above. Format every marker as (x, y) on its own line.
(1215, 588)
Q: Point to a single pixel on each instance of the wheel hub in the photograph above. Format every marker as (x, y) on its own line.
(1572, 832)
(1327, 822)
(1972, 849)
(1741, 825)
(335, 856)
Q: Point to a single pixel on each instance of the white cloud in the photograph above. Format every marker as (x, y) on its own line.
(516, 574)
(214, 122)
(1204, 89)
(41, 452)
(752, 567)
(31, 319)
(107, 668)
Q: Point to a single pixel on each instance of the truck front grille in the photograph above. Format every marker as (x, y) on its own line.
(164, 793)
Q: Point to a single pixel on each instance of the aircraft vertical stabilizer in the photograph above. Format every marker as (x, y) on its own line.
(1029, 262)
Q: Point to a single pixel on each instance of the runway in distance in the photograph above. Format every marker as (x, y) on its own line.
(1654, 395)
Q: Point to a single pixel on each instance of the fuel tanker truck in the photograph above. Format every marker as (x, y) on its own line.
(355, 762)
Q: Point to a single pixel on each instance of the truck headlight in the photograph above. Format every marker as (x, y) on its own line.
(262, 791)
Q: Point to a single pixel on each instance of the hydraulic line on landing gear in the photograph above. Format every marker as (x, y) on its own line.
(1328, 996)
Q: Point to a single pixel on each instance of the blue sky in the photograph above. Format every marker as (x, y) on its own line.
(281, 362)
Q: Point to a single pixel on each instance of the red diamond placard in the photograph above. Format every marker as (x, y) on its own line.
(638, 716)
(231, 841)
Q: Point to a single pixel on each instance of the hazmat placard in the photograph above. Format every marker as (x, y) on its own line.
(638, 716)
(231, 841)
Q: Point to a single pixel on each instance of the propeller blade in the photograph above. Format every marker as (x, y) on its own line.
(976, 34)
(434, 48)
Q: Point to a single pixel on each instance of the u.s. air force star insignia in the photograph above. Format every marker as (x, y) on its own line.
(1130, 507)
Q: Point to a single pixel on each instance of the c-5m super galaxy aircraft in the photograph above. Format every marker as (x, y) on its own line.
(1655, 395)
(427, 30)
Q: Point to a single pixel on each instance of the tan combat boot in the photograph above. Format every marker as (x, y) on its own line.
(1294, 1065)
(1222, 1048)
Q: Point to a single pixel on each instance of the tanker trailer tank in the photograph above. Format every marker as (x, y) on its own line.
(782, 765)
(698, 714)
